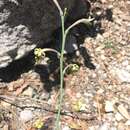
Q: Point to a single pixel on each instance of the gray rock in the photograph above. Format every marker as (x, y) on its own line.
(31, 23)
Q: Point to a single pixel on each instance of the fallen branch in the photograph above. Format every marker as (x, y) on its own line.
(23, 103)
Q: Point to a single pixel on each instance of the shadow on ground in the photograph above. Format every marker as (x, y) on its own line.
(50, 74)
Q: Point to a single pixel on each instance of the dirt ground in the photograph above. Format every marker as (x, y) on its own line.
(96, 97)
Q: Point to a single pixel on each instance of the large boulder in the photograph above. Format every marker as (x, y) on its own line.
(26, 24)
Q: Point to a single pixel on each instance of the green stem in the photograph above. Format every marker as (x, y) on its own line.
(61, 74)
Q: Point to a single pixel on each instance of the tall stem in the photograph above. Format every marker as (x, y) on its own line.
(61, 73)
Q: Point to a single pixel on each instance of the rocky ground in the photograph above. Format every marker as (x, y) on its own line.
(97, 97)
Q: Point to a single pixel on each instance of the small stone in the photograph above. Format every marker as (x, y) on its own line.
(110, 6)
(49, 101)
(78, 95)
(109, 106)
(127, 123)
(26, 115)
(66, 128)
(128, 67)
(123, 75)
(100, 91)
(99, 37)
(28, 92)
(45, 96)
(125, 63)
(119, 117)
(104, 126)
(103, 57)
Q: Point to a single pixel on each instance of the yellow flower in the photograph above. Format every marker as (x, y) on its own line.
(38, 124)
(79, 105)
(38, 52)
(74, 68)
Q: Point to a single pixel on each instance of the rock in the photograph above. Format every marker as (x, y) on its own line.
(26, 115)
(26, 24)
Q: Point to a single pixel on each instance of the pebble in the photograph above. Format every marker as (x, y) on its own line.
(100, 91)
(128, 68)
(127, 123)
(118, 116)
(66, 128)
(78, 95)
(45, 96)
(109, 106)
(99, 37)
(103, 57)
(28, 92)
(123, 75)
(26, 115)
(125, 63)
(104, 126)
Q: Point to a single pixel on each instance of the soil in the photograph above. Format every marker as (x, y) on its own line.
(96, 97)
